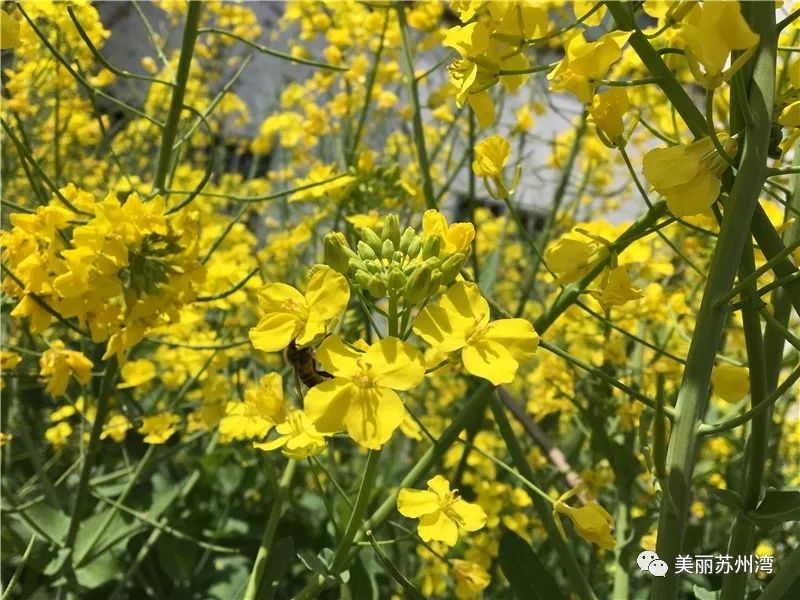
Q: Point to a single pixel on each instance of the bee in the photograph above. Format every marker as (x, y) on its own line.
(304, 365)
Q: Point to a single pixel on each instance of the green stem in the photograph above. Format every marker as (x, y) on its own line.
(260, 564)
(419, 134)
(178, 92)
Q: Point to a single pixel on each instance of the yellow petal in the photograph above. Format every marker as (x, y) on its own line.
(396, 364)
(338, 359)
(373, 415)
(517, 335)
(274, 332)
(272, 444)
(491, 361)
(415, 503)
(472, 515)
(438, 527)
(273, 297)
(483, 107)
(694, 197)
(443, 330)
(327, 404)
(667, 167)
(731, 383)
(439, 485)
(327, 294)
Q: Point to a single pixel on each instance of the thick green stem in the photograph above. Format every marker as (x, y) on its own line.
(734, 234)
(416, 121)
(260, 564)
(178, 92)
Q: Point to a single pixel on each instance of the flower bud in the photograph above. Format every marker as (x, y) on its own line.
(376, 287)
(371, 239)
(398, 257)
(397, 280)
(365, 251)
(357, 264)
(417, 285)
(405, 240)
(414, 247)
(391, 229)
(335, 256)
(431, 247)
(436, 281)
(362, 278)
(374, 266)
(452, 266)
(387, 249)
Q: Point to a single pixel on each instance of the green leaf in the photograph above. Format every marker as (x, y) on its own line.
(727, 497)
(528, 577)
(702, 593)
(46, 521)
(778, 506)
(100, 571)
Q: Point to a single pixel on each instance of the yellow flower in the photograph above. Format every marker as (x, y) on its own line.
(790, 116)
(616, 289)
(454, 238)
(687, 175)
(491, 155)
(471, 578)
(459, 320)
(731, 383)
(297, 436)
(159, 428)
(9, 360)
(290, 315)
(261, 410)
(607, 110)
(57, 365)
(116, 427)
(442, 512)
(469, 40)
(571, 257)
(714, 29)
(136, 373)
(9, 31)
(58, 434)
(361, 397)
(591, 521)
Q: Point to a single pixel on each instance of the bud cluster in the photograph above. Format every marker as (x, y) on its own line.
(403, 265)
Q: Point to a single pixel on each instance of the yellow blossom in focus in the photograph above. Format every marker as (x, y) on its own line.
(616, 289)
(442, 512)
(574, 255)
(459, 320)
(297, 437)
(591, 521)
(607, 109)
(491, 155)
(262, 408)
(361, 396)
(454, 238)
(731, 383)
(290, 315)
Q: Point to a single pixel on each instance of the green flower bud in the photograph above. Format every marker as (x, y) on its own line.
(416, 289)
(397, 280)
(414, 247)
(398, 257)
(362, 277)
(391, 229)
(357, 264)
(374, 266)
(365, 251)
(431, 247)
(371, 239)
(436, 281)
(335, 256)
(405, 240)
(376, 287)
(452, 266)
(387, 250)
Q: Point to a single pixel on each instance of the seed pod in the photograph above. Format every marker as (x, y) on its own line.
(365, 251)
(397, 279)
(391, 229)
(335, 256)
(414, 247)
(387, 250)
(371, 239)
(417, 285)
(431, 247)
(376, 287)
(405, 240)
(452, 266)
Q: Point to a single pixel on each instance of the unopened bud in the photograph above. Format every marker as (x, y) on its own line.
(417, 285)
(397, 280)
(335, 256)
(452, 266)
(362, 278)
(357, 264)
(387, 250)
(371, 239)
(391, 229)
(431, 247)
(436, 281)
(405, 240)
(365, 251)
(414, 247)
(376, 287)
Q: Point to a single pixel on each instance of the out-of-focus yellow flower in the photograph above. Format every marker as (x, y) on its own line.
(453, 238)
(361, 396)
(159, 428)
(116, 427)
(9, 31)
(790, 116)
(616, 288)
(57, 364)
(592, 521)
(607, 110)
(442, 512)
(58, 434)
(371, 219)
(687, 175)
(524, 119)
(297, 437)
(731, 383)
(136, 373)
(262, 408)
(9, 360)
(491, 155)
(5, 438)
(712, 30)
(459, 320)
(471, 578)
(290, 315)
(469, 40)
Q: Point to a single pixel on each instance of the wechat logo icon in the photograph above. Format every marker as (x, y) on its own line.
(649, 561)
